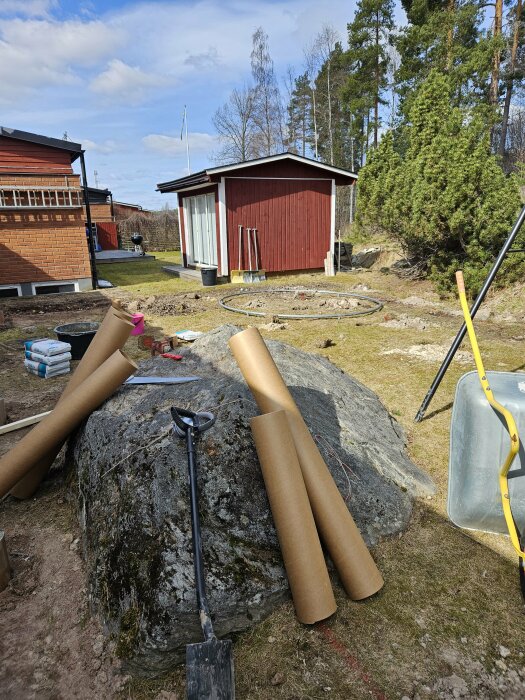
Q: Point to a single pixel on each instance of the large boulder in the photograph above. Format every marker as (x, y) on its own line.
(134, 506)
(366, 258)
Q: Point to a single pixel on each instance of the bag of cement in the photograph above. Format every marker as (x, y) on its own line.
(46, 371)
(50, 360)
(47, 346)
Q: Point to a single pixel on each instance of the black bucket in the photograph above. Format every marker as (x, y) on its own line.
(209, 276)
(78, 335)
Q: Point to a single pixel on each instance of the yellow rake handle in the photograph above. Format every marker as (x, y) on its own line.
(511, 425)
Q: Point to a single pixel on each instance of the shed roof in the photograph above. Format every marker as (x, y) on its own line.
(96, 195)
(75, 149)
(204, 176)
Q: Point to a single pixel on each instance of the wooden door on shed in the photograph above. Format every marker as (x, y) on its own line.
(292, 218)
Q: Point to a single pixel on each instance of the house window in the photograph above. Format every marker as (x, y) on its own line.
(201, 230)
(37, 198)
(54, 287)
(10, 290)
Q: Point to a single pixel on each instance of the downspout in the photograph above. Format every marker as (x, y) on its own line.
(91, 245)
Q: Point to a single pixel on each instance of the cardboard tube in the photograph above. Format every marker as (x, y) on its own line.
(111, 335)
(337, 529)
(300, 546)
(54, 429)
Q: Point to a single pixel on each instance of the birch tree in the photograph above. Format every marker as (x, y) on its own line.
(234, 122)
(268, 112)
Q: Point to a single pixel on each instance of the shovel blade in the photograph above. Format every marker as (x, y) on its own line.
(209, 670)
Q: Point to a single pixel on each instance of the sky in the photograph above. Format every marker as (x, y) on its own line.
(116, 75)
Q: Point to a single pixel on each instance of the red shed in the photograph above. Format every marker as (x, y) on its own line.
(288, 199)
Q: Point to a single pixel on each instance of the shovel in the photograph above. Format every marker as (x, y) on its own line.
(209, 664)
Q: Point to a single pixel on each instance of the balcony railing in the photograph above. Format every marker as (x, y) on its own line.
(40, 198)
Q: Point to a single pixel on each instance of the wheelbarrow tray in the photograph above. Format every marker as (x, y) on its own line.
(479, 444)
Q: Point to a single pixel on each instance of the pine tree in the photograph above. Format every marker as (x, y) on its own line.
(368, 60)
(335, 134)
(444, 35)
(299, 116)
(447, 201)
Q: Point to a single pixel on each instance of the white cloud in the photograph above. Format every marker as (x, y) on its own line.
(107, 146)
(174, 146)
(27, 8)
(36, 54)
(122, 81)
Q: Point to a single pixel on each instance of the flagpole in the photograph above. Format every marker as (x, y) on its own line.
(187, 143)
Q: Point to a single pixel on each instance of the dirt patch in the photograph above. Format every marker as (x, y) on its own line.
(431, 353)
(405, 321)
(52, 647)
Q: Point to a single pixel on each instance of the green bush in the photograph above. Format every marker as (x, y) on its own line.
(447, 201)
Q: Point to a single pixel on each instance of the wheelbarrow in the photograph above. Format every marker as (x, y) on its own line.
(486, 486)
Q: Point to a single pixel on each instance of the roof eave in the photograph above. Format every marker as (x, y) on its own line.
(183, 182)
(75, 149)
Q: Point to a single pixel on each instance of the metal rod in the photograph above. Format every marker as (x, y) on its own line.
(198, 562)
(91, 245)
(240, 245)
(254, 236)
(249, 233)
(461, 334)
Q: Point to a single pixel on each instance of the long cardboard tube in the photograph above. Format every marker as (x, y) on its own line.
(110, 336)
(357, 570)
(300, 546)
(54, 429)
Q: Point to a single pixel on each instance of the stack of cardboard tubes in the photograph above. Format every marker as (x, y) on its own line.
(306, 504)
(303, 496)
(98, 375)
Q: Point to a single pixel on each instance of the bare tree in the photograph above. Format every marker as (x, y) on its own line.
(496, 58)
(323, 47)
(268, 113)
(511, 73)
(235, 124)
(311, 60)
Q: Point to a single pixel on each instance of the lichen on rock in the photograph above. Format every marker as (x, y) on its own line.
(134, 499)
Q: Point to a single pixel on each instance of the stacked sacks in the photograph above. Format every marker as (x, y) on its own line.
(97, 376)
(47, 358)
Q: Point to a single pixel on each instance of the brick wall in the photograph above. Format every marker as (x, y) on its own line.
(100, 212)
(38, 245)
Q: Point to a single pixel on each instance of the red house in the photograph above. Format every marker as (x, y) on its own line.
(43, 243)
(289, 199)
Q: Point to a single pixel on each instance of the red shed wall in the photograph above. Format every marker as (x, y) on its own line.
(107, 235)
(281, 168)
(292, 218)
(24, 157)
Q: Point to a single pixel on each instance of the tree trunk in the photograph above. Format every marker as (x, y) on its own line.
(330, 134)
(378, 79)
(451, 7)
(315, 124)
(509, 81)
(494, 82)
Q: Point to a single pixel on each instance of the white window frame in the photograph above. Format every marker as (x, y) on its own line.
(34, 285)
(188, 228)
(12, 286)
